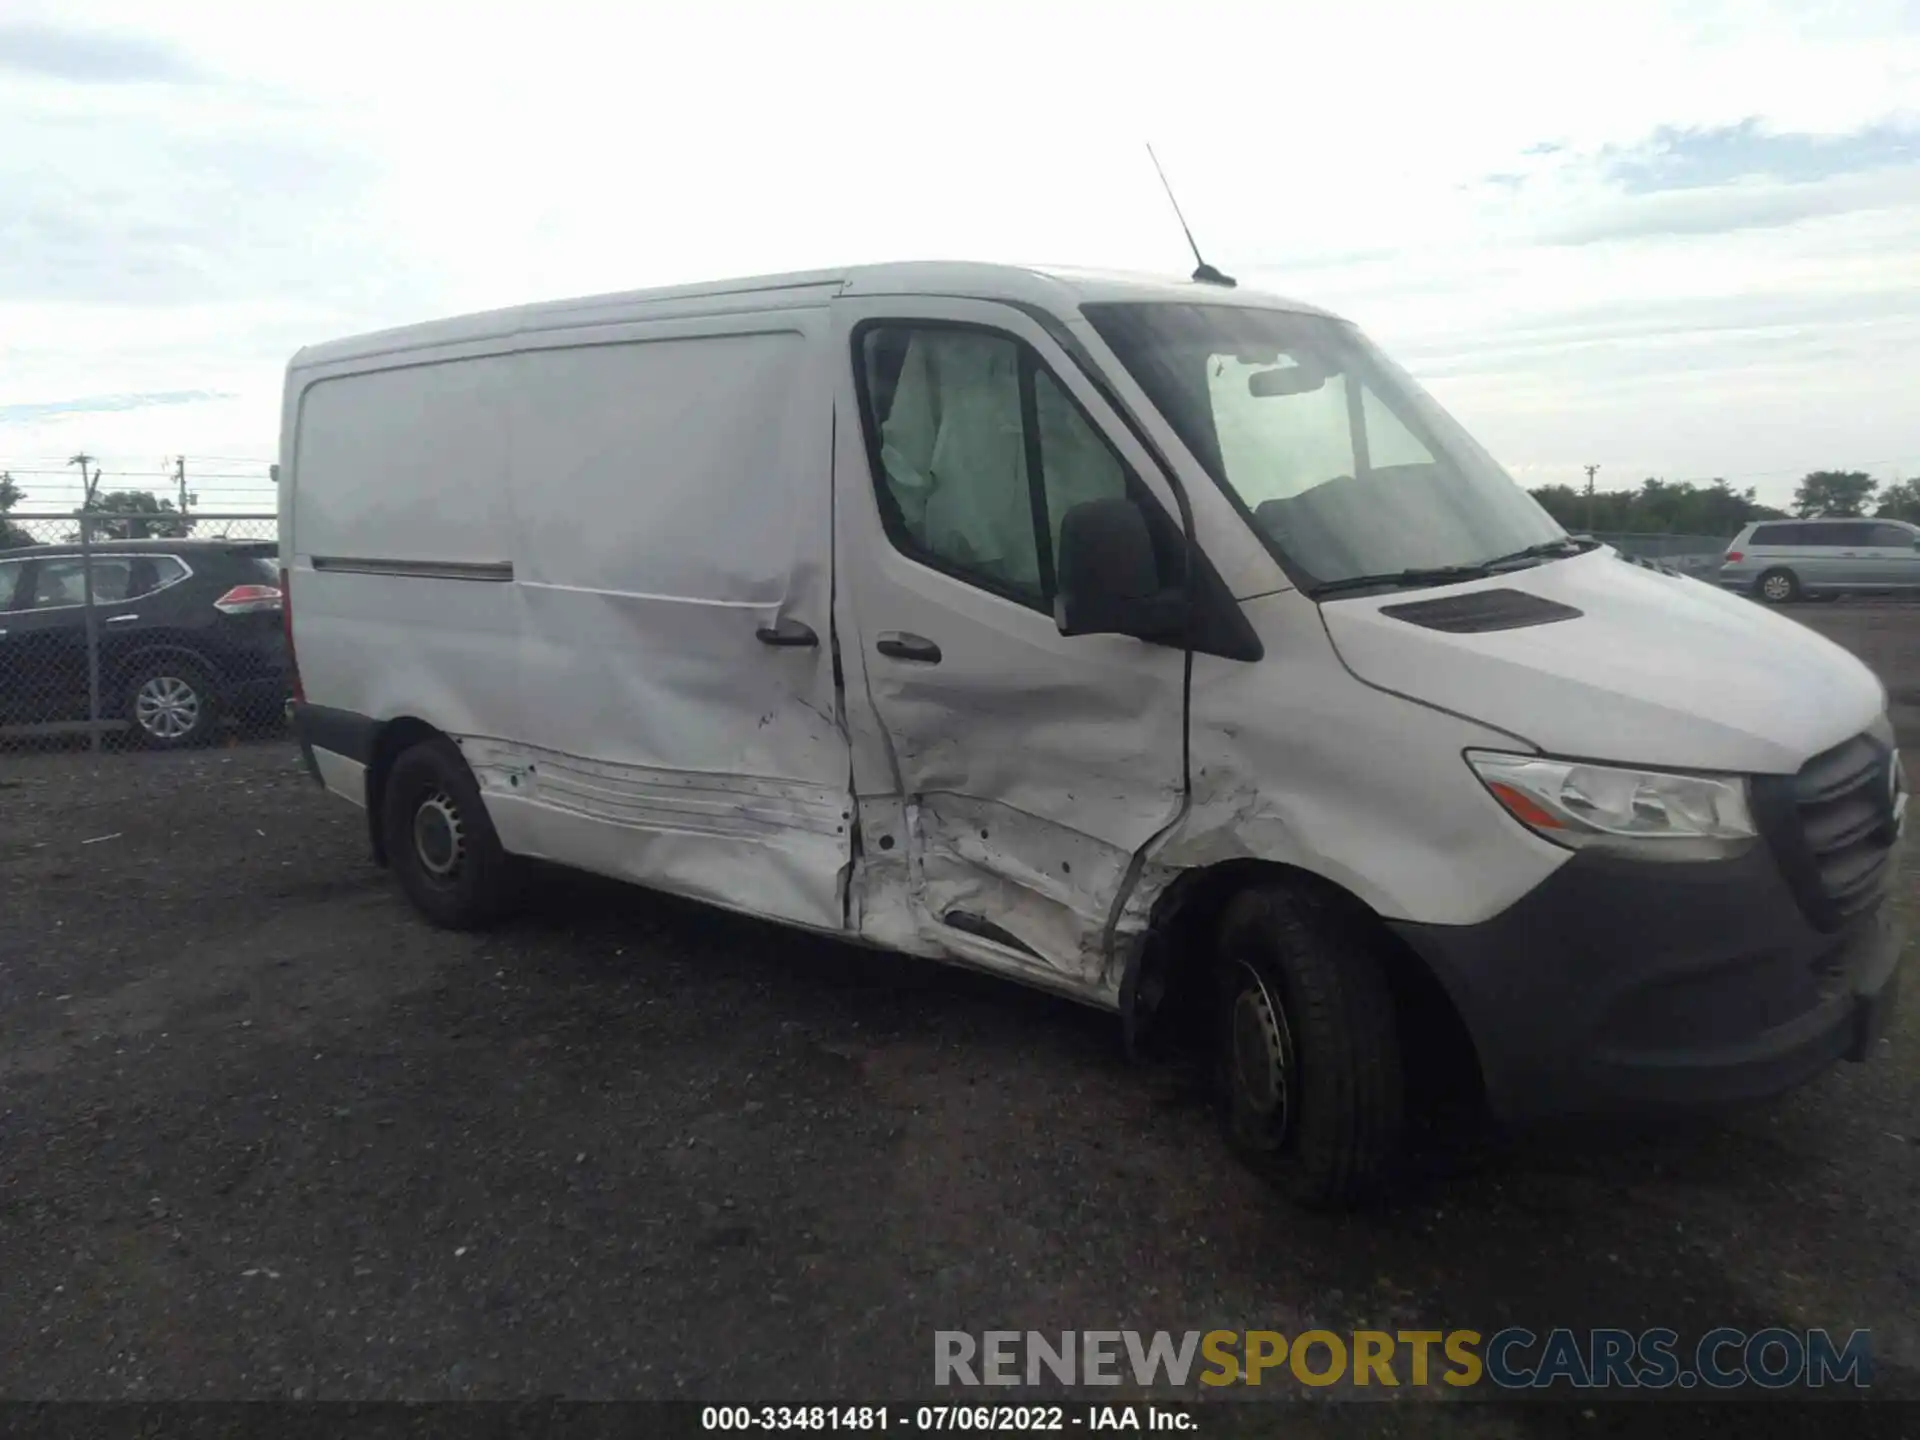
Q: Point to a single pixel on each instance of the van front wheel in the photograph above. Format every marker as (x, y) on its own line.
(442, 844)
(1308, 1055)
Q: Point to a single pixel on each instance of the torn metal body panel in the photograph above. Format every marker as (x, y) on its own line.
(1297, 763)
(1027, 768)
(742, 841)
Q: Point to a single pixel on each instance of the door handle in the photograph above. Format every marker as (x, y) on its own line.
(118, 619)
(898, 645)
(787, 632)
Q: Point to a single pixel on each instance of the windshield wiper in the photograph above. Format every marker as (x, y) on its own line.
(1547, 550)
(1444, 574)
(1438, 575)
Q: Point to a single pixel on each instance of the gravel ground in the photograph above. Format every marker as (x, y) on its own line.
(267, 1135)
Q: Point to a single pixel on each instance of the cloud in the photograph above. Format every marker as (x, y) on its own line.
(92, 57)
(1725, 209)
(211, 203)
(103, 404)
(1701, 180)
(1689, 159)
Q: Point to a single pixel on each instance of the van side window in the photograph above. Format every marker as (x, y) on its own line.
(1892, 537)
(1075, 463)
(10, 572)
(959, 418)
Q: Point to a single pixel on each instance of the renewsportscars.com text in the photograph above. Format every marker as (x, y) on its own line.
(1511, 1359)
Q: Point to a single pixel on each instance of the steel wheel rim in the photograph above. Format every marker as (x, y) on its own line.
(167, 707)
(439, 837)
(1262, 1057)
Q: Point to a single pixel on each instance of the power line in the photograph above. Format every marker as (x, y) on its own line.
(168, 476)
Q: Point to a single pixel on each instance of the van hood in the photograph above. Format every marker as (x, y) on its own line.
(1653, 670)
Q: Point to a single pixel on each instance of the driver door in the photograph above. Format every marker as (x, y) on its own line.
(1019, 769)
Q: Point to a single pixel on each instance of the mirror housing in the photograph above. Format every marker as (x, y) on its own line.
(1109, 580)
(1300, 378)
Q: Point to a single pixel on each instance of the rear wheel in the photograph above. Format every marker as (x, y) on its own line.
(1779, 587)
(1308, 1053)
(170, 704)
(441, 842)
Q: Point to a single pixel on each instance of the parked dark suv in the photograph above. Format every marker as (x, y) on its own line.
(188, 631)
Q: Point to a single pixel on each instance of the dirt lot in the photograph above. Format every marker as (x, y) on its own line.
(265, 1134)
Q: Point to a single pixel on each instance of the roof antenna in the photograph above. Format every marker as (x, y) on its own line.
(1202, 271)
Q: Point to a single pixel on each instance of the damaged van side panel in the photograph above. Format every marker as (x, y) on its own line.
(1006, 774)
(671, 482)
(1371, 797)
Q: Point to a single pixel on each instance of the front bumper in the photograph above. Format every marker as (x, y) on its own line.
(1624, 984)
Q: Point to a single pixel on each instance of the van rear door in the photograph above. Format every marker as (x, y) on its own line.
(1019, 770)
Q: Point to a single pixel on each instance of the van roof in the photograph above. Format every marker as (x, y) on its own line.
(1056, 288)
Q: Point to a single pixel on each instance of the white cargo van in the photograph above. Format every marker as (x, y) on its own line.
(1148, 641)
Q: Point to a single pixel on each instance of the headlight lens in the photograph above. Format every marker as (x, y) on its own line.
(1643, 813)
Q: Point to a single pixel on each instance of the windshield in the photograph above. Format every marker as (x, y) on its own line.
(1348, 467)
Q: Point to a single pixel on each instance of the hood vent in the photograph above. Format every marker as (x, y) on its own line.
(1482, 610)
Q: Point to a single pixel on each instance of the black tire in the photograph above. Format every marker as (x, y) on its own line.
(171, 703)
(1308, 1053)
(441, 842)
(1778, 586)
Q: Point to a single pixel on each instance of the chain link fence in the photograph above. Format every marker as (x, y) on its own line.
(127, 629)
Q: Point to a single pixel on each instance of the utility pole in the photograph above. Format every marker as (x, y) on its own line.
(1590, 473)
(87, 482)
(180, 478)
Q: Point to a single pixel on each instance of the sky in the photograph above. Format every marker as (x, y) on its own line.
(1676, 240)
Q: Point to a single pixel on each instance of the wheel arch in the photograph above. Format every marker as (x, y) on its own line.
(392, 739)
(130, 664)
(1164, 991)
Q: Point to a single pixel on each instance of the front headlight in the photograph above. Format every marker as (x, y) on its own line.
(1642, 813)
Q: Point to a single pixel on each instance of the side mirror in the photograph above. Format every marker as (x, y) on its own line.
(1109, 581)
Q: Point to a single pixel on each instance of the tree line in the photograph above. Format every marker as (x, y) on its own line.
(1681, 507)
(128, 506)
